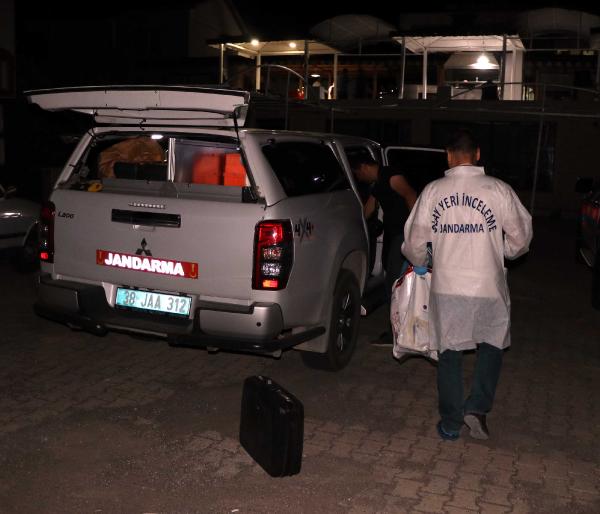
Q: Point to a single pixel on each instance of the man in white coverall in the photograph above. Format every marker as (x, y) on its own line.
(473, 222)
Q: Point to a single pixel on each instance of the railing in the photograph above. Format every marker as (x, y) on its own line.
(529, 89)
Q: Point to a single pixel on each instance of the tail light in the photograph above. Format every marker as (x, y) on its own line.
(273, 254)
(47, 232)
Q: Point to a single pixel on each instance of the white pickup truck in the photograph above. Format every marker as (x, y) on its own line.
(170, 219)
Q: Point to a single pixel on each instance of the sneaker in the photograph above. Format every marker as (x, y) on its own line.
(477, 425)
(384, 339)
(445, 434)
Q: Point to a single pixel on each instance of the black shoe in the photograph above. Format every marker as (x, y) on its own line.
(384, 339)
(478, 425)
(445, 434)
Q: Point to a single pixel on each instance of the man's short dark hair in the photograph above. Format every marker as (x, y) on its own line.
(462, 141)
(358, 160)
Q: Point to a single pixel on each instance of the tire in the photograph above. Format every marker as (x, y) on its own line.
(578, 244)
(26, 258)
(596, 276)
(343, 327)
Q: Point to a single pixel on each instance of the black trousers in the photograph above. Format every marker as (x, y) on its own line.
(394, 262)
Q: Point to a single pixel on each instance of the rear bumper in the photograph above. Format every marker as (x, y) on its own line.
(255, 328)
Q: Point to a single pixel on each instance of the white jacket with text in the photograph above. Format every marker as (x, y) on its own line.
(473, 222)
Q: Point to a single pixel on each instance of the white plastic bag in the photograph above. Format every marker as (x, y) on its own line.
(409, 315)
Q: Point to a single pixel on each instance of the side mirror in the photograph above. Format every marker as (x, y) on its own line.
(584, 185)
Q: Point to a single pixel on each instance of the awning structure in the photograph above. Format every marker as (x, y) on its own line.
(450, 44)
(511, 46)
(335, 34)
(256, 49)
(331, 37)
(252, 49)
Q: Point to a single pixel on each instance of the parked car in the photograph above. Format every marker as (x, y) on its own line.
(170, 219)
(18, 229)
(588, 231)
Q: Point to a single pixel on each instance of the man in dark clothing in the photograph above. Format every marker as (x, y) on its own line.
(374, 225)
(390, 189)
(489, 90)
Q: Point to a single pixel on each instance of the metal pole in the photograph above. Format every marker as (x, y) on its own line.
(538, 150)
(403, 68)
(425, 74)
(503, 70)
(306, 69)
(222, 64)
(287, 101)
(268, 83)
(335, 76)
(331, 120)
(598, 70)
(258, 65)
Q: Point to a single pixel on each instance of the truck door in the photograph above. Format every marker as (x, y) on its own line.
(419, 165)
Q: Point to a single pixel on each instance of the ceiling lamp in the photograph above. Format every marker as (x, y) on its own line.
(485, 61)
(472, 61)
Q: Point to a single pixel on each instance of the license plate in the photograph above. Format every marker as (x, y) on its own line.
(154, 302)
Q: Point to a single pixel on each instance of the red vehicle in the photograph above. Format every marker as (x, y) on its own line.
(588, 233)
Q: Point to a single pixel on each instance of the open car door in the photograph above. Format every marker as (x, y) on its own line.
(420, 165)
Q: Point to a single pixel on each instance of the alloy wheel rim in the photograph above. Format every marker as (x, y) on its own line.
(344, 326)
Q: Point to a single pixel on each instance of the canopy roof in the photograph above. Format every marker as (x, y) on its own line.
(483, 43)
(349, 29)
(275, 48)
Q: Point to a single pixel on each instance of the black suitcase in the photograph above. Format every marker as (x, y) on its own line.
(272, 426)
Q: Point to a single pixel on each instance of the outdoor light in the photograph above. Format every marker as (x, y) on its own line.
(293, 44)
(471, 61)
(315, 75)
(483, 60)
(254, 42)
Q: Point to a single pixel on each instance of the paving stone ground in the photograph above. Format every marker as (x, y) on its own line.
(119, 424)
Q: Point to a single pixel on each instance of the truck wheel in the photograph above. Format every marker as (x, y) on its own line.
(343, 327)
(26, 258)
(596, 277)
(579, 244)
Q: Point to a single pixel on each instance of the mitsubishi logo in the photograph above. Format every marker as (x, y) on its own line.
(142, 250)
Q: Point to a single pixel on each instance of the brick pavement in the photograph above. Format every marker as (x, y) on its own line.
(118, 424)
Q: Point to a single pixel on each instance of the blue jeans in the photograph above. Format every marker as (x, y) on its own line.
(452, 406)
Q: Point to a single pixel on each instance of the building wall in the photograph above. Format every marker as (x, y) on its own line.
(7, 48)
(7, 70)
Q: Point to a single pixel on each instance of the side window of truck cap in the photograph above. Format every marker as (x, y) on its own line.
(305, 168)
(203, 163)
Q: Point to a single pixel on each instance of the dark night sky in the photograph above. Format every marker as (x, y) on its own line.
(319, 10)
(306, 13)
(299, 11)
